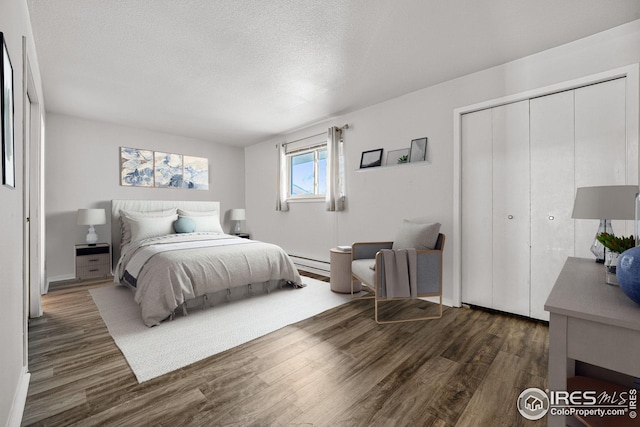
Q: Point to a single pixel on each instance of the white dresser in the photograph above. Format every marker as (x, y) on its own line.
(590, 322)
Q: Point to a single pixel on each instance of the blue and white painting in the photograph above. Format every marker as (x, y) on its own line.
(196, 173)
(136, 167)
(168, 170)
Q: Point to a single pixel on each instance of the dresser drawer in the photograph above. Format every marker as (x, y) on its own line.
(92, 260)
(98, 270)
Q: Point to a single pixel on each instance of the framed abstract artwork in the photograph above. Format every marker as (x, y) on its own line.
(167, 170)
(136, 167)
(148, 168)
(6, 111)
(196, 173)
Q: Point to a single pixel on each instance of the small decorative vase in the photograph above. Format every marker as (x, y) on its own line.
(610, 265)
(628, 273)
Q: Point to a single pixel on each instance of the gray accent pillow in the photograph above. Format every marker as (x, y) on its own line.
(417, 235)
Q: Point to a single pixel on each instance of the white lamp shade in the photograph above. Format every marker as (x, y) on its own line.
(605, 202)
(91, 217)
(237, 215)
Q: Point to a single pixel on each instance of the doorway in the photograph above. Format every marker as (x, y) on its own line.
(33, 199)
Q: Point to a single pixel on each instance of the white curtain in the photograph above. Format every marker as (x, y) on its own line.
(335, 170)
(281, 200)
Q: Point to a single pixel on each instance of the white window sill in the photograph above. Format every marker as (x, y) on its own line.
(306, 200)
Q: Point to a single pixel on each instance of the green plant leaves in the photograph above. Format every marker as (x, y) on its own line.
(616, 244)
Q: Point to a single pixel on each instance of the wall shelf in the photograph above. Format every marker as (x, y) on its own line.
(411, 164)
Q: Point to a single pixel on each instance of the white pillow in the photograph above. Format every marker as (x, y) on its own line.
(417, 235)
(143, 228)
(204, 220)
(183, 212)
(126, 216)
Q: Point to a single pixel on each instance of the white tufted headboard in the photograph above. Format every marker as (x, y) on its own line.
(147, 206)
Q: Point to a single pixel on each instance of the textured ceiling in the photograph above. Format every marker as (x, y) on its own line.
(237, 72)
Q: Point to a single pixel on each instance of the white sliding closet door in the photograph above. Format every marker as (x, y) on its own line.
(511, 215)
(601, 150)
(495, 213)
(521, 164)
(552, 193)
(477, 212)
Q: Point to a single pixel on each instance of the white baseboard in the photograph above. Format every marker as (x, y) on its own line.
(57, 279)
(324, 268)
(19, 400)
(445, 301)
(311, 265)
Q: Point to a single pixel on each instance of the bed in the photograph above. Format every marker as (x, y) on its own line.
(169, 270)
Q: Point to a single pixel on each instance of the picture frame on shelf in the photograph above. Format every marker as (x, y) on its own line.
(397, 157)
(371, 158)
(7, 112)
(418, 151)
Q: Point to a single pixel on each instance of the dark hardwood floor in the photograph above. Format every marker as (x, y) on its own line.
(339, 368)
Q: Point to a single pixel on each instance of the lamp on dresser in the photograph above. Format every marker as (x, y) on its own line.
(237, 215)
(605, 203)
(91, 217)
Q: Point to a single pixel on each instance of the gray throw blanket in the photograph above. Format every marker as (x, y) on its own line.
(400, 273)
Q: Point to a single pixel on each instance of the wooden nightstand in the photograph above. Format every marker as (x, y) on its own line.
(93, 260)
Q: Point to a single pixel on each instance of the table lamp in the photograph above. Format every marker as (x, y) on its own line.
(237, 215)
(91, 217)
(605, 203)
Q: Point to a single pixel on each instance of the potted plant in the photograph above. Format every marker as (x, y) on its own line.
(615, 245)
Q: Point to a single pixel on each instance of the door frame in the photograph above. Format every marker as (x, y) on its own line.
(33, 207)
(630, 72)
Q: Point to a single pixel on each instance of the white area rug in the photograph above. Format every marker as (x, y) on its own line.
(152, 352)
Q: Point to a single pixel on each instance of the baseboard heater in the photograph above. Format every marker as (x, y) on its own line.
(311, 265)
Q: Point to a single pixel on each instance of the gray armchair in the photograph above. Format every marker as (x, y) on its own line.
(367, 267)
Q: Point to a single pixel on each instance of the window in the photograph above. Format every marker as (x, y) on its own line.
(307, 172)
(312, 168)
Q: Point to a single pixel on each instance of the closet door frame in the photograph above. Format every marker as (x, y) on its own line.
(632, 75)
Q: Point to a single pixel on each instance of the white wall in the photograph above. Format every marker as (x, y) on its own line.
(14, 23)
(82, 171)
(379, 199)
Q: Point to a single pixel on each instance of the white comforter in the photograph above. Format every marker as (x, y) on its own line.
(166, 271)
